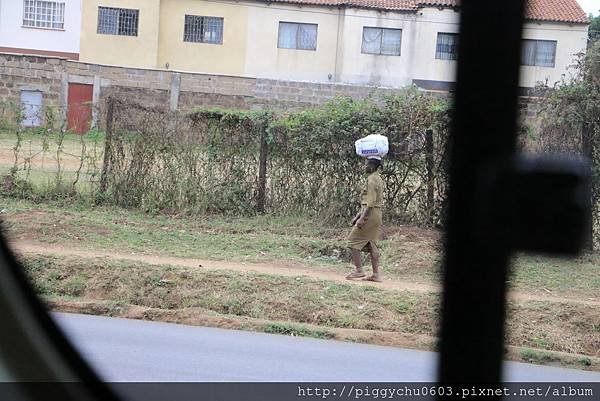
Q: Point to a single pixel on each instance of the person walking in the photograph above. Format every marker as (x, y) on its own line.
(367, 223)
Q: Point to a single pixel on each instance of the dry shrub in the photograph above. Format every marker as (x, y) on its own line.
(208, 160)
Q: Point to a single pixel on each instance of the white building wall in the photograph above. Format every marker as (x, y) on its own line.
(425, 66)
(371, 69)
(571, 40)
(14, 35)
(265, 60)
(339, 58)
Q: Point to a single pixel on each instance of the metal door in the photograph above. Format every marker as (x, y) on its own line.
(31, 108)
(79, 111)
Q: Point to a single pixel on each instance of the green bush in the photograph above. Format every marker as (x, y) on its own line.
(208, 161)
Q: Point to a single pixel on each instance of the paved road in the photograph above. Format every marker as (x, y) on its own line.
(133, 350)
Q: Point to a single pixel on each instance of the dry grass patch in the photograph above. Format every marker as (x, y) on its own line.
(286, 302)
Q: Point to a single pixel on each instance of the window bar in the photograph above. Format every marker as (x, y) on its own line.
(483, 136)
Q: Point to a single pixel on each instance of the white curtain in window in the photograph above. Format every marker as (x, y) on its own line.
(528, 52)
(545, 53)
(307, 36)
(288, 33)
(390, 44)
(213, 30)
(371, 42)
(446, 46)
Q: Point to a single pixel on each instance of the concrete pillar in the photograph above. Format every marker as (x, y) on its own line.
(95, 101)
(174, 91)
(64, 94)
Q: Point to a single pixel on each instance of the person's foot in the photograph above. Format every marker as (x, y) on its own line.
(355, 274)
(374, 278)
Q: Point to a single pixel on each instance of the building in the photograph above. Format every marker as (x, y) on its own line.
(48, 28)
(390, 43)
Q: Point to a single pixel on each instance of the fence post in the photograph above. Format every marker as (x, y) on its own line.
(587, 148)
(430, 174)
(110, 105)
(262, 170)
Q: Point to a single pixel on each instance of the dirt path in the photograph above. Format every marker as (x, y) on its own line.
(280, 269)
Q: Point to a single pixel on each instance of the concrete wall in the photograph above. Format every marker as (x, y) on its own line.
(16, 37)
(19, 73)
(265, 60)
(133, 51)
(354, 66)
(250, 43)
(571, 39)
(160, 87)
(168, 89)
(425, 67)
(226, 58)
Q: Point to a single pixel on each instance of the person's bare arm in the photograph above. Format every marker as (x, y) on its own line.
(355, 219)
(363, 217)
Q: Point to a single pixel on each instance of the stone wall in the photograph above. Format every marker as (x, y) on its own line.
(169, 89)
(19, 73)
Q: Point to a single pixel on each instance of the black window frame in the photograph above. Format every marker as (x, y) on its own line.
(120, 28)
(202, 21)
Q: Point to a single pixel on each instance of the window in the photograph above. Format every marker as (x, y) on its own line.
(43, 14)
(118, 21)
(203, 29)
(447, 46)
(31, 108)
(383, 41)
(538, 52)
(297, 36)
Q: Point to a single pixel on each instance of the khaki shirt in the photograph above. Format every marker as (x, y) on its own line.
(372, 194)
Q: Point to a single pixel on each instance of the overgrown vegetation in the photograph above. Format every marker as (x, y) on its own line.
(46, 162)
(241, 163)
(570, 119)
(209, 160)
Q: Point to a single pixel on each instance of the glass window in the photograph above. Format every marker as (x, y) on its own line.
(203, 29)
(540, 53)
(384, 41)
(44, 14)
(297, 36)
(447, 46)
(118, 21)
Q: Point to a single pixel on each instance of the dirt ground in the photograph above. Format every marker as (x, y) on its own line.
(280, 269)
(241, 274)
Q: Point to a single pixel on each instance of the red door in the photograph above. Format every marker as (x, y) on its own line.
(79, 110)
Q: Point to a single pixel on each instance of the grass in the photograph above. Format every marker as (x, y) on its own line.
(578, 277)
(409, 254)
(297, 300)
(295, 330)
(289, 305)
(537, 357)
(41, 154)
(257, 238)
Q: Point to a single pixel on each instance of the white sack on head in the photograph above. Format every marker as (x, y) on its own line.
(373, 146)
